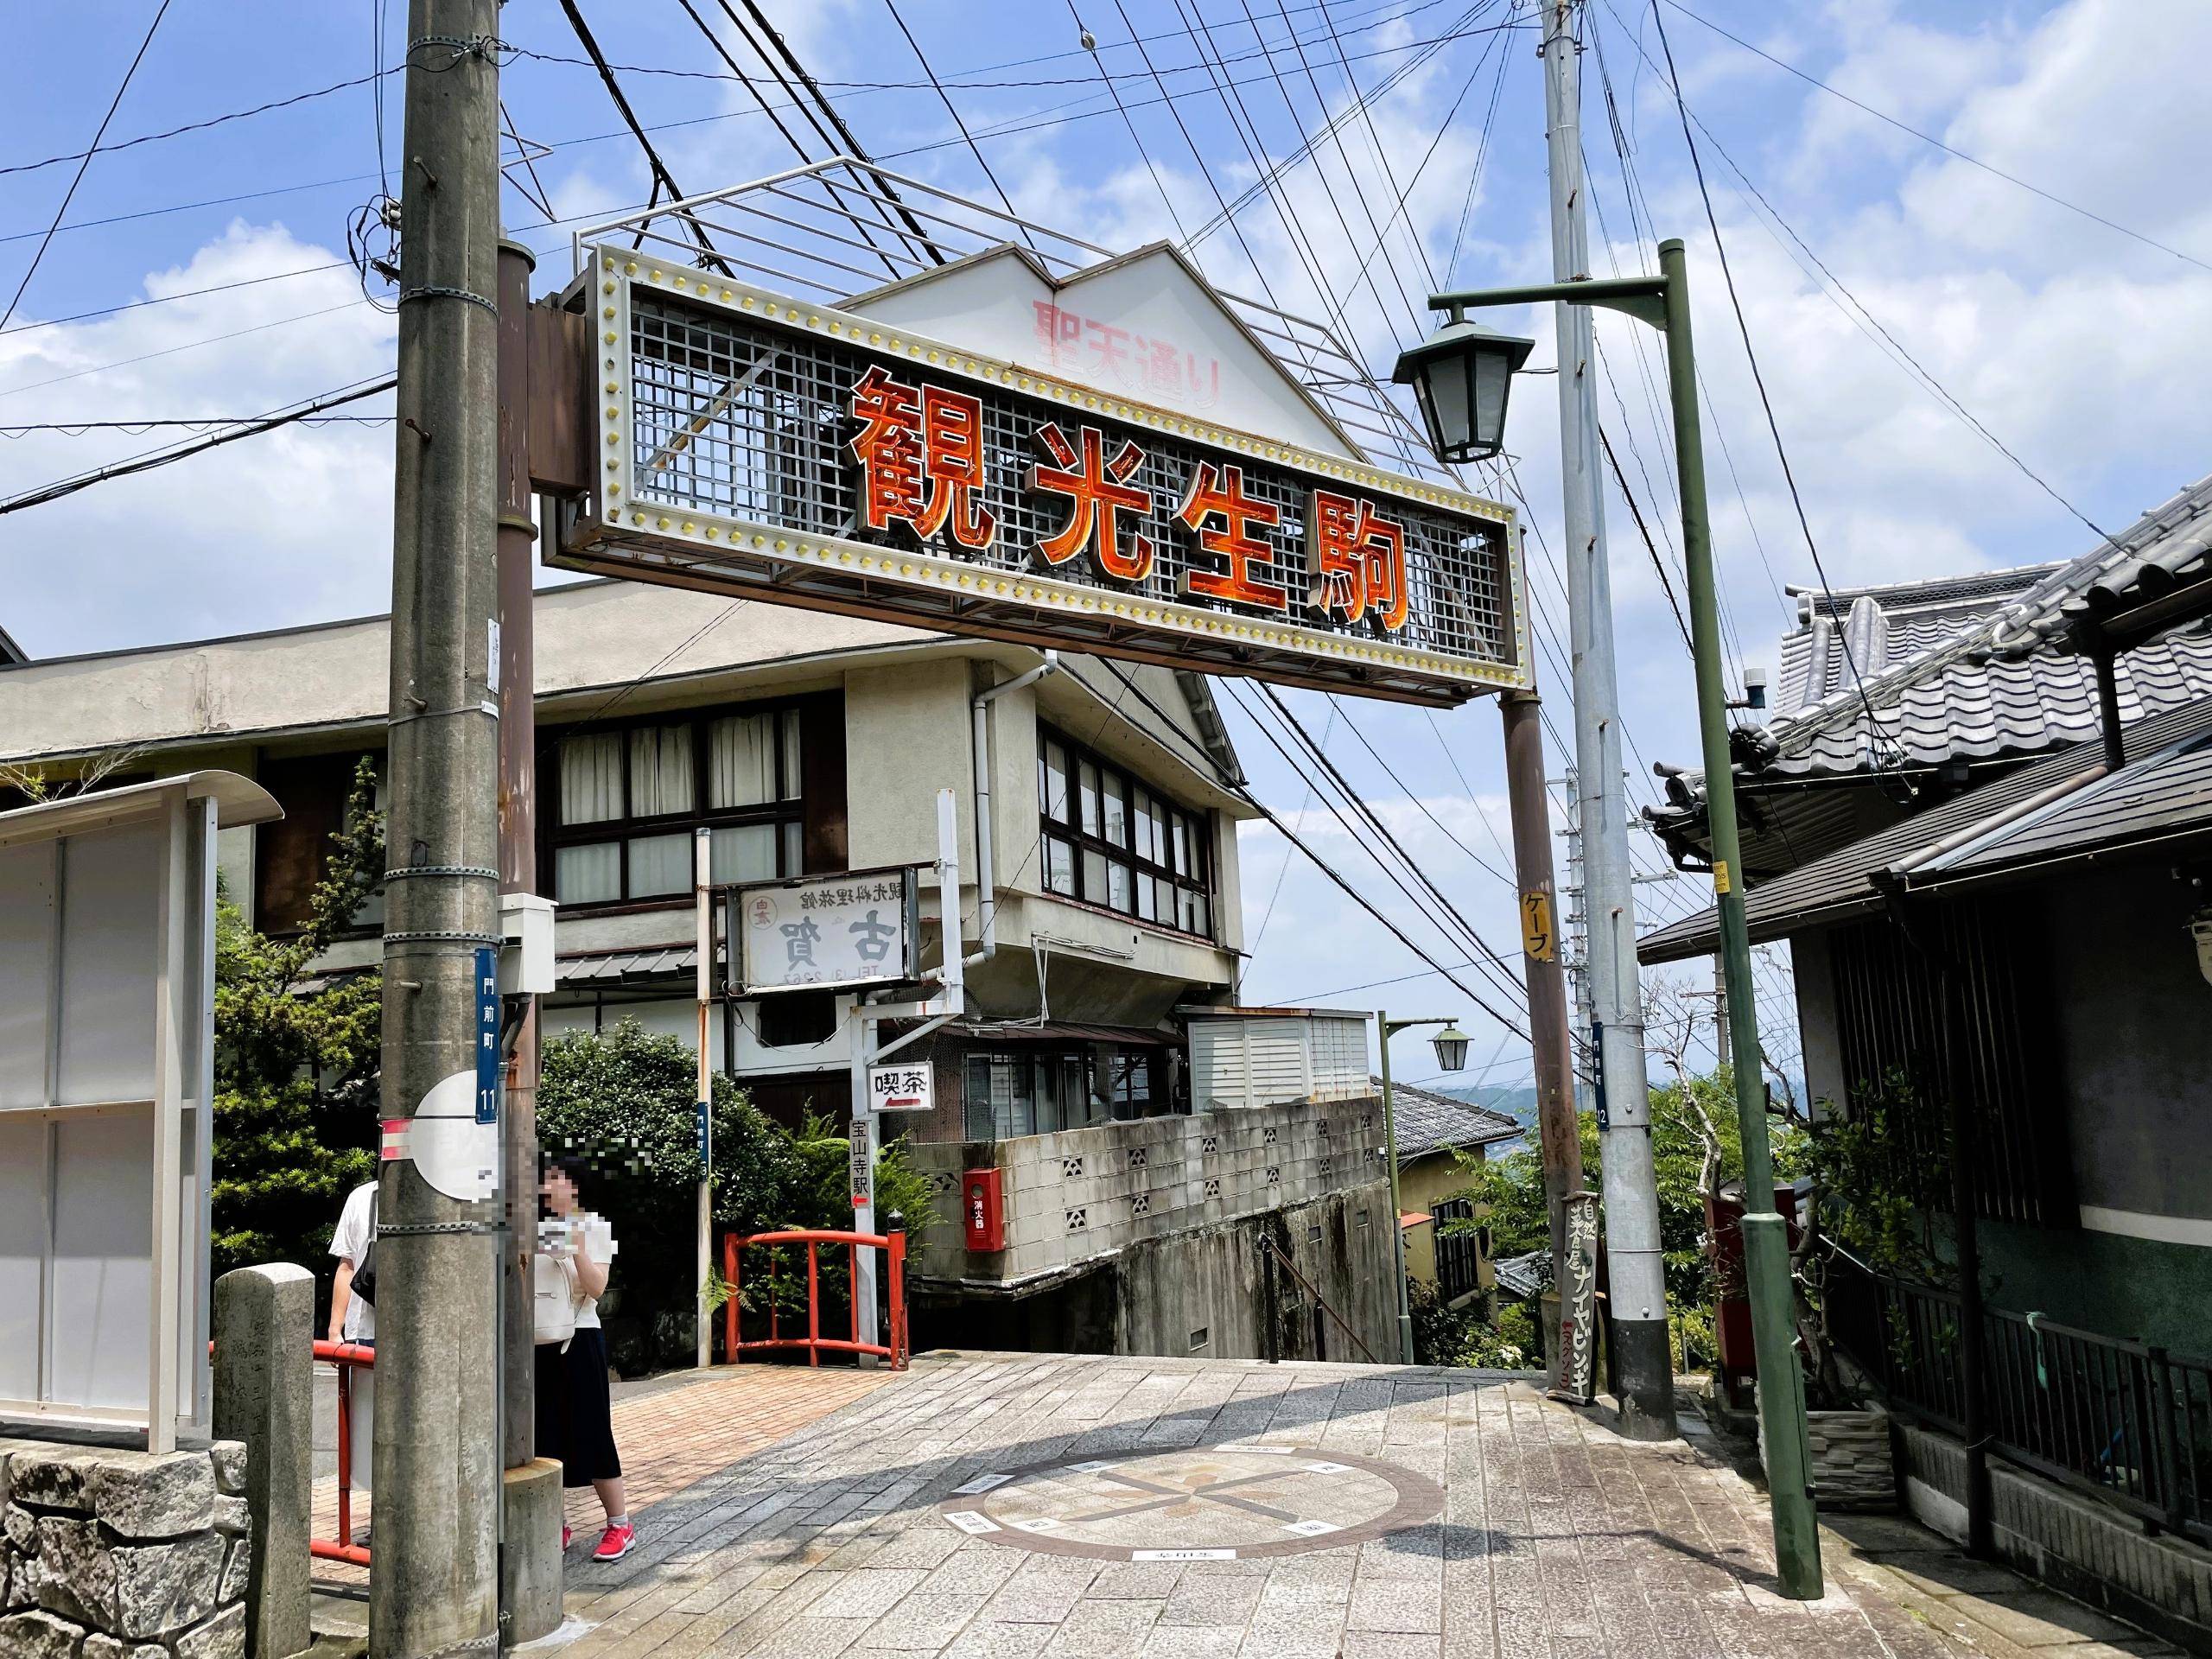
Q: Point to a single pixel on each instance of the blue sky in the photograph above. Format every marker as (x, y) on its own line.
(2079, 347)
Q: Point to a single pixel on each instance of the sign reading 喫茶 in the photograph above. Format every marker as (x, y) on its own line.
(908, 1088)
(801, 454)
(825, 931)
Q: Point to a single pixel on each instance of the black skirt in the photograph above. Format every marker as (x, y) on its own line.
(575, 1420)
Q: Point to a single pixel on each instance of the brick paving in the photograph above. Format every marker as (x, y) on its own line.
(672, 1432)
(1550, 1536)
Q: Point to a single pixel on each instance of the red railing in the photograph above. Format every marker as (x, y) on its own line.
(346, 1355)
(894, 1246)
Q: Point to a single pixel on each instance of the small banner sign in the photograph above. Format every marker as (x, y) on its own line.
(800, 454)
(859, 928)
(910, 1088)
(863, 1165)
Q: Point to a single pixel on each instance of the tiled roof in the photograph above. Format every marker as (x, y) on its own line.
(1972, 667)
(1427, 1122)
(1523, 1275)
(1993, 827)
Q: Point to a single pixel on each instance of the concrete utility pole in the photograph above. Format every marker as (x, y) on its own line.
(1557, 1132)
(433, 1587)
(1643, 1365)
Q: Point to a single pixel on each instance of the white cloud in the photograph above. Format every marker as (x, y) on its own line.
(291, 527)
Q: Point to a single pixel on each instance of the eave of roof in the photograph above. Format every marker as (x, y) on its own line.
(1969, 838)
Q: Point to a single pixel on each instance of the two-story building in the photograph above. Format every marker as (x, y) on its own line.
(817, 744)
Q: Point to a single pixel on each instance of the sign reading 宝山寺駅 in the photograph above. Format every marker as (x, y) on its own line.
(825, 931)
(806, 456)
(901, 1088)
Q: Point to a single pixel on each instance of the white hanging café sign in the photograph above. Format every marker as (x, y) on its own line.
(794, 452)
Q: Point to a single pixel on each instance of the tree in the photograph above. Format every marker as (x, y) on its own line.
(1696, 1147)
(625, 1102)
(296, 1062)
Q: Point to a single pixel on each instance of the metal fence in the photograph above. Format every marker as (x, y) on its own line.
(2125, 1420)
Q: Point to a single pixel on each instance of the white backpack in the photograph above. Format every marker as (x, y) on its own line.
(553, 1299)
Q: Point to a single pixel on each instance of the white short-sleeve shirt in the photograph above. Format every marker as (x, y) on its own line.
(350, 1243)
(599, 1245)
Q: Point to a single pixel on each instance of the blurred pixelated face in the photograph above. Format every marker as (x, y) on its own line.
(560, 1191)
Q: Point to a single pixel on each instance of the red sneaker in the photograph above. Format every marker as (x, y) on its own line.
(616, 1542)
(565, 1534)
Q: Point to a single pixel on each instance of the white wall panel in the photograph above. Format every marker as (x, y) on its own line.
(110, 921)
(103, 1269)
(22, 1238)
(26, 958)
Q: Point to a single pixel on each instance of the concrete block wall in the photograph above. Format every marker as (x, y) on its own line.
(2098, 1552)
(109, 1553)
(1081, 1193)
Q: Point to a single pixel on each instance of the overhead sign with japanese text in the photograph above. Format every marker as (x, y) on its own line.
(822, 931)
(801, 454)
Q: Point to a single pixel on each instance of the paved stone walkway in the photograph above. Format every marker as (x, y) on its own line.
(1012, 1506)
(672, 1432)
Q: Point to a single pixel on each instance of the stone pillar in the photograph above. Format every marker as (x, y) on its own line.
(264, 1396)
(531, 1566)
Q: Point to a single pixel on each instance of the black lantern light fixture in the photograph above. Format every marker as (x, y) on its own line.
(1451, 1048)
(1459, 375)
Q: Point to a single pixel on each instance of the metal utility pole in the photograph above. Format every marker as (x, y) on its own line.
(1642, 1365)
(1557, 1132)
(433, 1587)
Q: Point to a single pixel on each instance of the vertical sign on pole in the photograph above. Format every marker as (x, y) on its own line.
(702, 849)
(487, 1033)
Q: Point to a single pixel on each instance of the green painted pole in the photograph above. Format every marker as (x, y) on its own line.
(1397, 1232)
(1766, 1239)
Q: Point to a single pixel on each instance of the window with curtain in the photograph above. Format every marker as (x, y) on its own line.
(1111, 841)
(633, 796)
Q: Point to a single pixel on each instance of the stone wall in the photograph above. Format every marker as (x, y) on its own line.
(2068, 1539)
(1849, 1463)
(1082, 1194)
(117, 1555)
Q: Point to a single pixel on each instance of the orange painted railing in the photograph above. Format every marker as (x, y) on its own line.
(346, 1355)
(894, 1246)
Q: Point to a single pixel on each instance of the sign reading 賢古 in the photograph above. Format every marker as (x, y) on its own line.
(806, 456)
(824, 931)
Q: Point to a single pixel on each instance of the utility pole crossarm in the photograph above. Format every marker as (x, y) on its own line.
(1644, 298)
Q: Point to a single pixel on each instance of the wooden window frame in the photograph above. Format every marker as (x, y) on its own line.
(554, 834)
(1071, 831)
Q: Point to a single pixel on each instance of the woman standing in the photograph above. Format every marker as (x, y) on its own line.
(574, 1410)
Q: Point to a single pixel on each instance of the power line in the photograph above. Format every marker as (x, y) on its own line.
(84, 161)
(191, 422)
(165, 299)
(148, 461)
(662, 178)
(1758, 379)
(1930, 138)
(97, 149)
(1288, 835)
(974, 149)
(171, 350)
(1644, 530)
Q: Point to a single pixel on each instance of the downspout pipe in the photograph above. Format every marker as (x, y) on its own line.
(987, 904)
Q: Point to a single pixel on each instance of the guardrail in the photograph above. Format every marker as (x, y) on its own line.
(894, 1246)
(2125, 1420)
(348, 1357)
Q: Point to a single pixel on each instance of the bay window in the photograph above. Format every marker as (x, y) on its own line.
(1111, 840)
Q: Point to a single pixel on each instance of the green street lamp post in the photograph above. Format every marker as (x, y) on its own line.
(1451, 1055)
(1461, 356)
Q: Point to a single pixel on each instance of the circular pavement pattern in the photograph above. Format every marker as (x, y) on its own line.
(1193, 1503)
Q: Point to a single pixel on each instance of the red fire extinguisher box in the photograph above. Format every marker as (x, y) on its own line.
(985, 1209)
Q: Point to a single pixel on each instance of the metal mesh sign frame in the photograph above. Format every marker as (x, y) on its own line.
(727, 416)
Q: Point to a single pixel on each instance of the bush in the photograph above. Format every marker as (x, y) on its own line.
(624, 1101)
